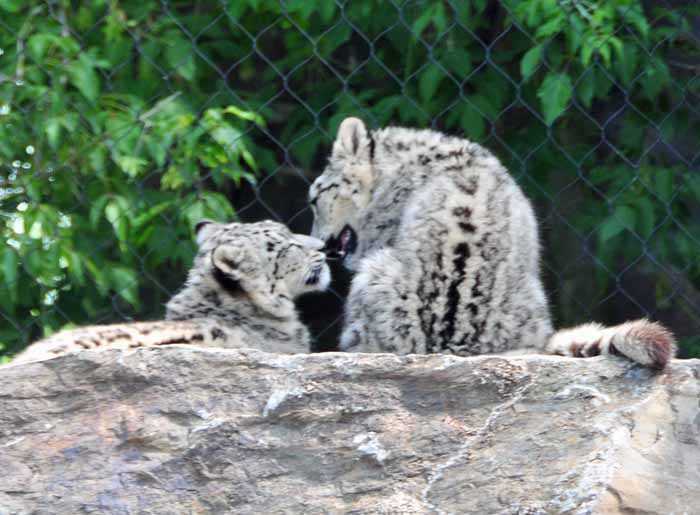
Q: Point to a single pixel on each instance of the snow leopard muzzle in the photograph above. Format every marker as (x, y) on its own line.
(339, 247)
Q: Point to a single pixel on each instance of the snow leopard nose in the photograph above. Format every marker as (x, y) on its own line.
(309, 242)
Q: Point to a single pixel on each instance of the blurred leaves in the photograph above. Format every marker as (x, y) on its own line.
(105, 171)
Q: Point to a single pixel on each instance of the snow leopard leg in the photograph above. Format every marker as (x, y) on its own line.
(644, 342)
(377, 317)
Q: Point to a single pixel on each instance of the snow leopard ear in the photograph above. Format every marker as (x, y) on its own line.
(238, 269)
(234, 262)
(352, 139)
(204, 229)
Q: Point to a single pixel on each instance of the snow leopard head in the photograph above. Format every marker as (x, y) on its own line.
(263, 260)
(338, 196)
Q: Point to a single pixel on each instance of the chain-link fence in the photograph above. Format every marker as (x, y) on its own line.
(122, 123)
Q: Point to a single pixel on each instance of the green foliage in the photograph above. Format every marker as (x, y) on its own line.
(122, 123)
(555, 94)
(106, 170)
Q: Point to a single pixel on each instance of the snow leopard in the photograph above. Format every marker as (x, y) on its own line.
(239, 292)
(446, 253)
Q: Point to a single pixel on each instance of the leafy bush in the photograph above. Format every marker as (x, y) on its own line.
(122, 123)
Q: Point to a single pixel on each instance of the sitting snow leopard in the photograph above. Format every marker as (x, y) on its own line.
(239, 293)
(446, 253)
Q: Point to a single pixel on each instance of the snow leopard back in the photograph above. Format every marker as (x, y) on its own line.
(443, 240)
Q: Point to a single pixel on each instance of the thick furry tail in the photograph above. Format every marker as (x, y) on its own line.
(644, 342)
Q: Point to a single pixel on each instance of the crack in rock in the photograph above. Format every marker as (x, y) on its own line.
(439, 471)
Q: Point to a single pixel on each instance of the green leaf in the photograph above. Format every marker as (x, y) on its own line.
(39, 43)
(530, 60)
(12, 6)
(554, 93)
(302, 7)
(217, 205)
(485, 103)
(34, 264)
(585, 13)
(589, 47)
(603, 85)
(97, 157)
(99, 276)
(145, 235)
(83, 76)
(251, 116)
(663, 180)
(458, 61)
(52, 129)
(440, 17)
(383, 110)
(195, 212)
(693, 188)
(131, 165)
(473, 123)
(157, 149)
(646, 219)
(10, 270)
(179, 56)
(334, 38)
(75, 266)
(423, 21)
(327, 10)
(178, 175)
(149, 215)
(655, 79)
(480, 5)
(97, 209)
(68, 45)
(604, 51)
(574, 34)
(586, 88)
(69, 121)
(227, 136)
(622, 218)
(635, 16)
(429, 81)
(618, 46)
(249, 159)
(118, 217)
(125, 282)
(551, 27)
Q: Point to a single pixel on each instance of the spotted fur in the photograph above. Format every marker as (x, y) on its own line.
(239, 293)
(446, 252)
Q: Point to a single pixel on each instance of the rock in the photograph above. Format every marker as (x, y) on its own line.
(186, 430)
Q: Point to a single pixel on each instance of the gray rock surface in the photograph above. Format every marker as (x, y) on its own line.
(189, 431)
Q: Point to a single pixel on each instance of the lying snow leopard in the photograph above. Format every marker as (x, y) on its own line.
(239, 293)
(446, 250)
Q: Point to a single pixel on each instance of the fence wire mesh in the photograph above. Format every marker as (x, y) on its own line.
(122, 123)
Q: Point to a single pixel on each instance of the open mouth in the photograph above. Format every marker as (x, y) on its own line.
(338, 247)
